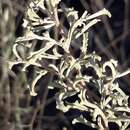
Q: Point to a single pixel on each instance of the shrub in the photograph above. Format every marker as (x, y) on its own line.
(91, 80)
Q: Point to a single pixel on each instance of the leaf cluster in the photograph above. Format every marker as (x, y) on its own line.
(97, 91)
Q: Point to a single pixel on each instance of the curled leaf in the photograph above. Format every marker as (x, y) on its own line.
(32, 88)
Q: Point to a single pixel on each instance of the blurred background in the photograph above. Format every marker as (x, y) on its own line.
(18, 110)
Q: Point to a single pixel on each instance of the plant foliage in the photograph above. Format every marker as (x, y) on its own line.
(97, 93)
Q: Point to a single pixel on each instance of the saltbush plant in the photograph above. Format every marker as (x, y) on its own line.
(84, 76)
